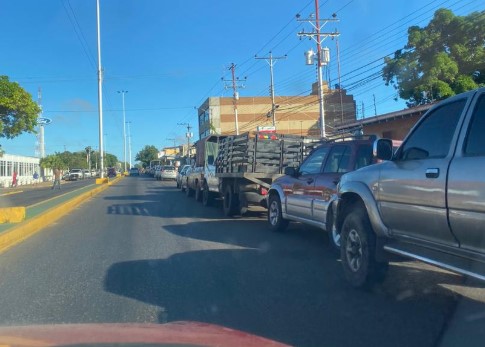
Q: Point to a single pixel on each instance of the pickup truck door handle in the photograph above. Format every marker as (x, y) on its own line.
(309, 181)
(432, 173)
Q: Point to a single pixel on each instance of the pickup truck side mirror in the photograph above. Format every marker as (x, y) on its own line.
(383, 149)
(290, 171)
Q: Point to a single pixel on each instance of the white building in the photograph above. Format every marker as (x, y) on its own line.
(24, 166)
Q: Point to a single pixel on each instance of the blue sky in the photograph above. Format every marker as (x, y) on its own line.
(170, 56)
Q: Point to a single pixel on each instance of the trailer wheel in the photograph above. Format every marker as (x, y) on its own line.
(189, 192)
(206, 196)
(230, 202)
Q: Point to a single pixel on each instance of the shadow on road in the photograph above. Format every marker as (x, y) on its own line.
(287, 287)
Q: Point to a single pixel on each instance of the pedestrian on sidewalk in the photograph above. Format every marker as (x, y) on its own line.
(36, 177)
(57, 178)
(14, 179)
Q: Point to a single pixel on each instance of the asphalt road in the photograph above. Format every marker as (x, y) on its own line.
(32, 194)
(143, 252)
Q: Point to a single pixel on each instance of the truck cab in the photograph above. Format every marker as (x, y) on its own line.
(425, 202)
(200, 179)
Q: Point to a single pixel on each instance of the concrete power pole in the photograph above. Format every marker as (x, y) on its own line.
(322, 59)
(235, 94)
(188, 135)
(271, 61)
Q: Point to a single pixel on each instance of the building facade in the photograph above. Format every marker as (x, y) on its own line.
(25, 167)
(297, 115)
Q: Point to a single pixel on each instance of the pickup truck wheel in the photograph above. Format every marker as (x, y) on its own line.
(229, 203)
(206, 196)
(358, 249)
(198, 192)
(275, 216)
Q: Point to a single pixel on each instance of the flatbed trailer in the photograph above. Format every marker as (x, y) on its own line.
(240, 169)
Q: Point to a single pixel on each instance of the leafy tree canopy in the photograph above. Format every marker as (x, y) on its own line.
(147, 154)
(76, 160)
(445, 58)
(18, 112)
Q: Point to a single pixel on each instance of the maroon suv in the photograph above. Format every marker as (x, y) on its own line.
(307, 194)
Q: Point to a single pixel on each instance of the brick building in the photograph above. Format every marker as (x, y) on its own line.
(393, 125)
(298, 115)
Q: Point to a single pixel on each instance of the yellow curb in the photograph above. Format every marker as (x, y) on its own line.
(101, 180)
(22, 231)
(11, 193)
(12, 214)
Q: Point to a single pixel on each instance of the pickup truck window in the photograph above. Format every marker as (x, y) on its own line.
(338, 160)
(432, 138)
(314, 162)
(475, 141)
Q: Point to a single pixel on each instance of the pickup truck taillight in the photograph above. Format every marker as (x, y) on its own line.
(263, 190)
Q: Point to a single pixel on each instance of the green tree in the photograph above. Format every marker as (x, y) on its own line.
(147, 154)
(110, 160)
(53, 161)
(444, 58)
(18, 112)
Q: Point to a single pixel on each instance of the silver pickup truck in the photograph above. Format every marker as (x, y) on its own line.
(426, 202)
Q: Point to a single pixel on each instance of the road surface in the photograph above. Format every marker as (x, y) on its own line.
(142, 251)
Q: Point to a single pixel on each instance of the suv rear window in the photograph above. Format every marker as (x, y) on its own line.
(338, 159)
(169, 168)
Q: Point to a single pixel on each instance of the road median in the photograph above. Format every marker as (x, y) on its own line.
(42, 214)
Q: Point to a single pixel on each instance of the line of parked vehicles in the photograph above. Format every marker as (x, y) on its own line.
(422, 198)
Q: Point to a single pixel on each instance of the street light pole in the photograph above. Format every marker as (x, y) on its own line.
(100, 88)
(123, 92)
(129, 142)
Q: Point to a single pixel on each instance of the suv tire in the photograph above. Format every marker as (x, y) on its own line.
(334, 237)
(358, 250)
(275, 215)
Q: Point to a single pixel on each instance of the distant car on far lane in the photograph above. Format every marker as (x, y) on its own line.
(168, 172)
(134, 172)
(76, 174)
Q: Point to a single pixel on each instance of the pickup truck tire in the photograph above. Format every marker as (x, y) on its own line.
(275, 215)
(230, 202)
(358, 249)
(206, 195)
(198, 192)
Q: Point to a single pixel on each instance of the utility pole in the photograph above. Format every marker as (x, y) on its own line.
(271, 61)
(123, 92)
(188, 135)
(363, 114)
(323, 58)
(174, 142)
(235, 94)
(129, 142)
(375, 108)
(100, 89)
